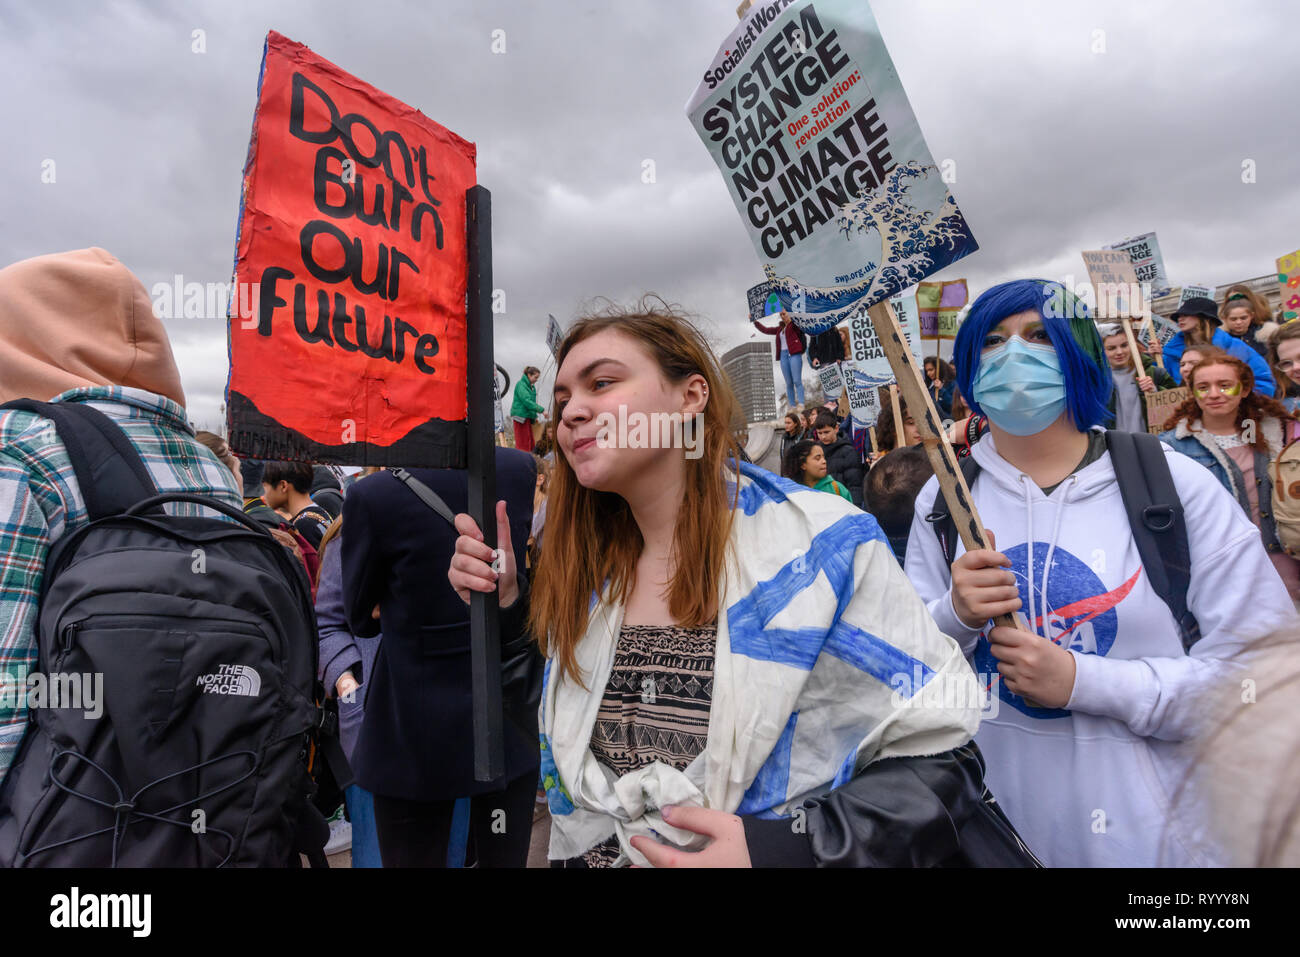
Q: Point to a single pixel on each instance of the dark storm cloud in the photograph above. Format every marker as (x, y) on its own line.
(1057, 148)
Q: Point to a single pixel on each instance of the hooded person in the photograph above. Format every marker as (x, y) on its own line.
(251, 471)
(1096, 700)
(1198, 323)
(326, 491)
(78, 327)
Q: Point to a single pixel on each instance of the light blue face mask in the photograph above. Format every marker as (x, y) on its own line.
(1020, 387)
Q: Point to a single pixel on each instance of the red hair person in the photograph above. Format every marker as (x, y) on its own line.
(1236, 433)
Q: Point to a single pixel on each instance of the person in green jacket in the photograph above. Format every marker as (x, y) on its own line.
(524, 410)
(1128, 407)
(805, 463)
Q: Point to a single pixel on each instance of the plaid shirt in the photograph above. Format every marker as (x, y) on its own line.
(40, 502)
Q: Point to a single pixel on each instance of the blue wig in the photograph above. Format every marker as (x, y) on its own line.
(1078, 345)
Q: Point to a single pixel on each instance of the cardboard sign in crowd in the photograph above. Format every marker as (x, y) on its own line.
(1148, 264)
(804, 114)
(939, 304)
(1288, 275)
(352, 234)
(1161, 406)
(868, 369)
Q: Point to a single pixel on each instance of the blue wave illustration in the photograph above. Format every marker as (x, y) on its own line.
(914, 243)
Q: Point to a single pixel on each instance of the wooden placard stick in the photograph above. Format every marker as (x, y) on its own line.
(898, 416)
(1139, 369)
(875, 449)
(952, 485)
(1155, 343)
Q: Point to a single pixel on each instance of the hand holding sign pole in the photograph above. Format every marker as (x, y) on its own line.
(952, 484)
(484, 627)
(843, 200)
(1156, 352)
(1115, 286)
(357, 349)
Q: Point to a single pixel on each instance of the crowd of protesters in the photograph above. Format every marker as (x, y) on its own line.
(695, 651)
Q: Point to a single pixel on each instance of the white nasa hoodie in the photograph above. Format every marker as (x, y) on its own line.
(1093, 784)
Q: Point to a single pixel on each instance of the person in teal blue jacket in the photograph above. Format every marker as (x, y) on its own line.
(1198, 322)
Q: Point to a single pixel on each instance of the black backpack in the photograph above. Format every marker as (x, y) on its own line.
(1155, 515)
(203, 634)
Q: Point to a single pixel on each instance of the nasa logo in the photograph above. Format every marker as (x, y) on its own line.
(1078, 612)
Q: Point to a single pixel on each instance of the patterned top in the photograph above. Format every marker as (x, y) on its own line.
(1225, 442)
(40, 503)
(656, 705)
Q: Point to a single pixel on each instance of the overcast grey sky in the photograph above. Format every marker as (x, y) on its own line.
(1057, 148)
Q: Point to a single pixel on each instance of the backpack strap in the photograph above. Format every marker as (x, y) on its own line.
(426, 495)
(945, 527)
(432, 499)
(110, 473)
(1155, 516)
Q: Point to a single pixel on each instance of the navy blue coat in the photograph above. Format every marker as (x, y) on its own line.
(416, 739)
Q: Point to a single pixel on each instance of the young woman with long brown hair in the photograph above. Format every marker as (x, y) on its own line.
(939, 377)
(729, 654)
(1235, 432)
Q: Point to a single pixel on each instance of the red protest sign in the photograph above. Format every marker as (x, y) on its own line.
(352, 241)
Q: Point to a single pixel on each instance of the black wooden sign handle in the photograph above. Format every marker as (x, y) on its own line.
(485, 635)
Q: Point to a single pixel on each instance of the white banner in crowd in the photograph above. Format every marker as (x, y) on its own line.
(909, 317)
(832, 381)
(872, 367)
(803, 112)
(1195, 292)
(868, 354)
(1144, 253)
(1165, 329)
(864, 400)
(554, 337)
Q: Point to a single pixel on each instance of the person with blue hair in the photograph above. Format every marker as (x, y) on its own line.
(1095, 700)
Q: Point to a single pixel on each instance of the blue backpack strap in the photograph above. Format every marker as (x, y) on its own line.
(945, 527)
(1155, 516)
(110, 473)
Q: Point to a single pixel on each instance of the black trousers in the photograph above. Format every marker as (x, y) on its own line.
(416, 833)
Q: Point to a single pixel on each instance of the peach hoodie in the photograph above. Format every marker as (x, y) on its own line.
(76, 319)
